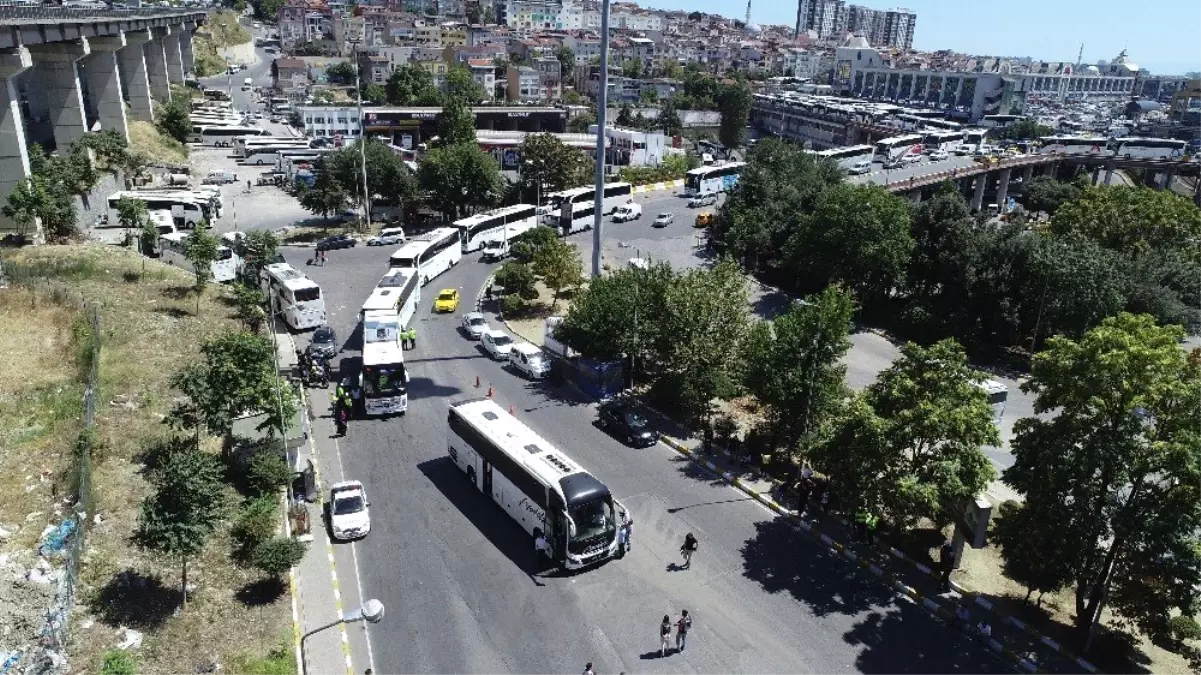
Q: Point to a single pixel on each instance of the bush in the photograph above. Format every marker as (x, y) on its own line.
(1183, 628)
(277, 555)
(255, 524)
(119, 662)
(511, 304)
(267, 473)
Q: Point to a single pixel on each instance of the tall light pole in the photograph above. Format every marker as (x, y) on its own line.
(371, 611)
(357, 31)
(601, 108)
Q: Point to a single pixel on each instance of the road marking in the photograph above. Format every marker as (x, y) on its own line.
(354, 553)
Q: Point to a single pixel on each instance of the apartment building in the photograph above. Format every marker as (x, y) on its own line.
(585, 47)
(523, 84)
(483, 72)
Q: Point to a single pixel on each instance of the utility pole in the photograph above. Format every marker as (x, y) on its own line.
(601, 108)
(357, 33)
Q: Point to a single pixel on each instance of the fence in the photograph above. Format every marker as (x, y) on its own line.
(67, 542)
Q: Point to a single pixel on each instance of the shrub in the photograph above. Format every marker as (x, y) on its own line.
(267, 473)
(255, 524)
(277, 555)
(119, 662)
(511, 304)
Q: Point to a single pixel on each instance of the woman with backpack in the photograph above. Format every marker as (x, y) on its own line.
(689, 547)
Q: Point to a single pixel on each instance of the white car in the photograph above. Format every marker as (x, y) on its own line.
(911, 159)
(706, 199)
(474, 325)
(938, 155)
(349, 512)
(388, 237)
(497, 344)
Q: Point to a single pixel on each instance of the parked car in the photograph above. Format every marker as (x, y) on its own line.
(324, 342)
(703, 219)
(706, 199)
(337, 241)
(663, 220)
(388, 236)
(860, 167)
(964, 150)
(474, 325)
(894, 163)
(627, 423)
(627, 212)
(529, 361)
(911, 159)
(939, 155)
(349, 511)
(447, 300)
(497, 344)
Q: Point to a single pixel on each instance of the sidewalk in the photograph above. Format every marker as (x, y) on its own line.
(1012, 639)
(324, 584)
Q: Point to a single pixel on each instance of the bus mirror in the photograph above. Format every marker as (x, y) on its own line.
(570, 524)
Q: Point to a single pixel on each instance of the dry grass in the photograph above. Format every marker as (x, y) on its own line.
(148, 330)
(146, 139)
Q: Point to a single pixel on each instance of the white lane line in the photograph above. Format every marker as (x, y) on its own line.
(358, 578)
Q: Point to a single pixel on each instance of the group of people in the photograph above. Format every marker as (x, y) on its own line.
(314, 369)
(683, 625)
(319, 257)
(342, 405)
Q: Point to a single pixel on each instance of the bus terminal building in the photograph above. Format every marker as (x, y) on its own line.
(409, 127)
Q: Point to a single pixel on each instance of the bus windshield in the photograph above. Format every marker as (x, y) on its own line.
(307, 294)
(386, 380)
(594, 523)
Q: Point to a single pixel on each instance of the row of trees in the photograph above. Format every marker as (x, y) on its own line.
(933, 270)
(538, 255)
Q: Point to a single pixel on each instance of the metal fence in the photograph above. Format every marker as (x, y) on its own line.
(66, 543)
(19, 15)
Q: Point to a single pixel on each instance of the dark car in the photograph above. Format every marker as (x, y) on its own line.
(325, 342)
(626, 422)
(337, 241)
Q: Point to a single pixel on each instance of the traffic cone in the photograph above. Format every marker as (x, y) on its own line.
(489, 391)
(477, 381)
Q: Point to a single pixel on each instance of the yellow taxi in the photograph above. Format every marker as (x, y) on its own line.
(447, 300)
(703, 219)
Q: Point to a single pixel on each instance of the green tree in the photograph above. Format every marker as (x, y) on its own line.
(461, 85)
(47, 196)
(707, 316)
(175, 118)
(459, 177)
(572, 97)
(669, 120)
(201, 248)
(235, 376)
(412, 85)
(186, 506)
(342, 72)
(387, 175)
(489, 17)
(131, 212)
(474, 13)
(560, 267)
(550, 165)
(566, 60)
(118, 662)
(1130, 218)
(256, 522)
(1034, 551)
(375, 93)
(625, 116)
(327, 196)
(456, 124)
(734, 103)
(857, 234)
(910, 445)
(277, 555)
(248, 305)
(580, 123)
(268, 471)
(794, 363)
(257, 249)
(1045, 194)
(267, 9)
(516, 278)
(526, 247)
(648, 97)
(1122, 458)
(632, 68)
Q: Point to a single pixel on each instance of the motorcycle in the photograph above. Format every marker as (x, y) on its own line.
(316, 373)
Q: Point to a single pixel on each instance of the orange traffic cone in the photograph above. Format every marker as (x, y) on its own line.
(477, 381)
(489, 391)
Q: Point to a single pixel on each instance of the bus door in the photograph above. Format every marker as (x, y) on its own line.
(556, 525)
(487, 486)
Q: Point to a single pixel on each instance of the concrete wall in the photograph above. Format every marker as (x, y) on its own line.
(95, 203)
(242, 54)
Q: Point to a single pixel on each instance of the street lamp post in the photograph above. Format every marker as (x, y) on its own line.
(371, 611)
(356, 37)
(601, 108)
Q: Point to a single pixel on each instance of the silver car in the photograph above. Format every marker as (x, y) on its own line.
(663, 220)
(474, 325)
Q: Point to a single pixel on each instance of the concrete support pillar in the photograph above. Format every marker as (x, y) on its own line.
(171, 50)
(912, 86)
(185, 48)
(1197, 192)
(156, 65)
(1109, 173)
(958, 92)
(135, 79)
(57, 73)
(104, 83)
(1167, 179)
(926, 89)
(978, 197)
(1027, 175)
(14, 156)
(1003, 189)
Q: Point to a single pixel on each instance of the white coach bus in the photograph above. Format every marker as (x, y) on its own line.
(537, 485)
(390, 307)
(294, 296)
(172, 249)
(383, 379)
(430, 254)
(502, 223)
(571, 211)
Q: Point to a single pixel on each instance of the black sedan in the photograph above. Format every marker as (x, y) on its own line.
(325, 342)
(627, 423)
(337, 241)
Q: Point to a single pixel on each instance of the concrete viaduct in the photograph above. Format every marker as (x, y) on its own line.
(64, 72)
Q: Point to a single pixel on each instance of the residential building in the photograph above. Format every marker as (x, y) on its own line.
(798, 62)
(632, 17)
(630, 147)
(483, 72)
(550, 77)
(410, 126)
(489, 51)
(301, 21)
(532, 14)
(284, 72)
(643, 49)
(823, 17)
(1186, 104)
(374, 68)
(454, 34)
(523, 84)
(452, 8)
(898, 29)
(585, 47)
(428, 35)
(330, 121)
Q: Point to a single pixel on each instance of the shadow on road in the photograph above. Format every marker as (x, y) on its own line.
(892, 641)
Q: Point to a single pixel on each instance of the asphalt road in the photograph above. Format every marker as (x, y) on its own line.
(764, 599)
(921, 168)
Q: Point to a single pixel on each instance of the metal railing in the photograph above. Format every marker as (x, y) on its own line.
(24, 15)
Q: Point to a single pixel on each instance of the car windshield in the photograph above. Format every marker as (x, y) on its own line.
(633, 418)
(501, 340)
(323, 335)
(383, 380)
(476, 321)
(347, 505)
(594, 523)
(664, 216)
(446, 296)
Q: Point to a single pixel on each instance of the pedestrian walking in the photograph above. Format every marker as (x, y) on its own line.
(588, 669)
(488, 291)
(683, 625)
(860, 524)
(664, 635)
(343, 419)
(708, 437)
(689, 547)
(623, 532)
(946, 560)
(324, 257)
(870, 531)
(541, 548)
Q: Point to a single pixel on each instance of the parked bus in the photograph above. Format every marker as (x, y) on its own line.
(571, 211)
(383, 379)
(430, 254)
(891, 148)
(714, 179)
(390, 307)
(1074, 145)
(173, 250)
(847, 156)
(187, 208)
(1000, 121)
(295, 297)
(501, 223)
(222, 136)
(538, 486)
(243, 144)
(1148, 148)
(941, 140)
(974, 138)
(259, 155)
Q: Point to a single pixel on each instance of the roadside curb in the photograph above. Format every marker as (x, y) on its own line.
(934, 604)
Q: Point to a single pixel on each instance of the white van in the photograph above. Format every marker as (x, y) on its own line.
(860, 167)
(529, 361)
(495, 250)
(627, 212)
